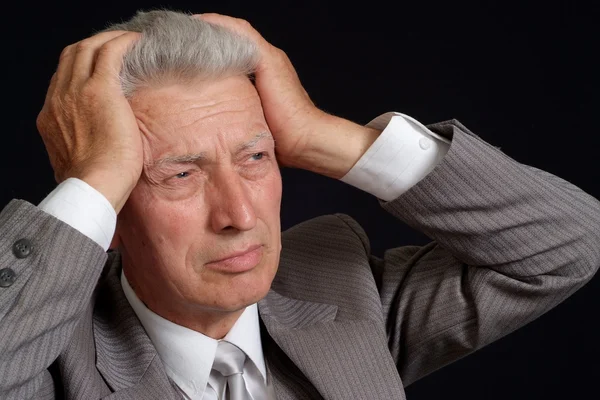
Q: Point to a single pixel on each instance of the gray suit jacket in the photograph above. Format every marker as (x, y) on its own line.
(509, 243)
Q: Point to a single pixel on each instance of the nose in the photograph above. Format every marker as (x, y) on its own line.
(231, 204)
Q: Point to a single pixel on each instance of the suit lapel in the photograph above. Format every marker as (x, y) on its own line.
(125, 356)
(341, 358)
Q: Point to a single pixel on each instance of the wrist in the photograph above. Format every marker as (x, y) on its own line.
(112, 185)
(335, 146)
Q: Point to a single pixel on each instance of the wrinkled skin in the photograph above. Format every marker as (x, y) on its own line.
(184, 214)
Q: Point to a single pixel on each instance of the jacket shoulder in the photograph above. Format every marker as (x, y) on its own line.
(325, 260)
(334, 234)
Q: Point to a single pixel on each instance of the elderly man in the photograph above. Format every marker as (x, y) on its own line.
(156, 120)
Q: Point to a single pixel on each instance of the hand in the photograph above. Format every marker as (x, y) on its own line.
(305, 137)
(291, 115)
(86, 123)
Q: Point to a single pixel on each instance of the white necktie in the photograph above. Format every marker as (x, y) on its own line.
(229, 362)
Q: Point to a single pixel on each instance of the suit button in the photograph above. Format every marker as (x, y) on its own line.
(22, 248)
(7, 277)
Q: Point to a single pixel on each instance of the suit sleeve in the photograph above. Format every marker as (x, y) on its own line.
(510, 242)
(50, 272)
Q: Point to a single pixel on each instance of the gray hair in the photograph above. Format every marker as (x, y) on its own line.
(178, 48)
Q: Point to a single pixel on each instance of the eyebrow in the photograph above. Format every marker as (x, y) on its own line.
(184, 159)
(192, 158)
(250, 144)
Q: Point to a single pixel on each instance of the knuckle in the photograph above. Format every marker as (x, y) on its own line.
(281, 54)
(105, 50)
(243, 23)
(82, 46)
(40, 121)
(66, 52)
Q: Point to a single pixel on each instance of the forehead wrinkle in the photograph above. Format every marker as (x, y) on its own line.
(176, 113)
(202, 156)
(180, 114)
(208, 109)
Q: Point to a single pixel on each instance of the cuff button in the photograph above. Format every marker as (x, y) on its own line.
(425, 143)
(22, 248)
(7, 277)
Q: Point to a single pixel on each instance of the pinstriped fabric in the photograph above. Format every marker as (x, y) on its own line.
(288, 381)
(342, 359)
(509, 243)
(37, 322)
(47, 390)
(153, 385)
(77, 363)
(124, 350)
(313, 267)
(295, 314)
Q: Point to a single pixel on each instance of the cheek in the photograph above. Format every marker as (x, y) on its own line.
(267, 197)
(163, 225)
(267, 207)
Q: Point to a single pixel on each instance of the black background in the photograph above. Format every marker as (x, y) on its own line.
(522, 76)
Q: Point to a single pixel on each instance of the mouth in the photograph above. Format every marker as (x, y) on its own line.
(238, 262)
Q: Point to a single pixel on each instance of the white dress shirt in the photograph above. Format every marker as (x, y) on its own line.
(188, 355)
(403, 154)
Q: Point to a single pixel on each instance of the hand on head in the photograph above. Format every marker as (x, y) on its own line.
(86, 123)
(91, 133)
(289, 111)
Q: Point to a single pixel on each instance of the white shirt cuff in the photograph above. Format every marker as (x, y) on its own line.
(84, 208)
(403, 154)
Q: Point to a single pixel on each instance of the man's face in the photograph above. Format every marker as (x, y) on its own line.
(210, 190)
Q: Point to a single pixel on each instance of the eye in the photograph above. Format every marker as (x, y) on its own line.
(182, 175)
(257, 156)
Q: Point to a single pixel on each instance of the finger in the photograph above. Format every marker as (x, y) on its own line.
(65, 66)
(52, 86)
(47, 100)
(269, 54)
(85, 55)
(110, 55)
(40, 120)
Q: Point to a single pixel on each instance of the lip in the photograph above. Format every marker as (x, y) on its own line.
(240, 261)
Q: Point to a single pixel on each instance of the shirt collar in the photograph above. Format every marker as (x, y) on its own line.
(245, 334)
(188, 355)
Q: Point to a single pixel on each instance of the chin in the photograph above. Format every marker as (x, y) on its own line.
(247, 289)
(240, 300)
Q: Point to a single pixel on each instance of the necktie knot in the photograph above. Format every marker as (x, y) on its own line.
(229, 362)
(229, 359)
